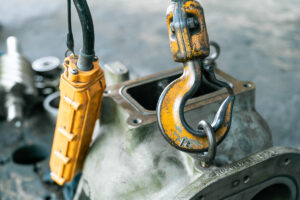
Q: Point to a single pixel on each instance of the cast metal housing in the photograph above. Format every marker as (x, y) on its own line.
(131, 160)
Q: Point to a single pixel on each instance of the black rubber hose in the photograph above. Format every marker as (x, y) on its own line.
(87, 53)
(70, 39)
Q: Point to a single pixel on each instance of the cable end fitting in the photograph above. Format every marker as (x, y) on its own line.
(85, 61)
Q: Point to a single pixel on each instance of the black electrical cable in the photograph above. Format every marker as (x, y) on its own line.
(87, 53)
(70, 39)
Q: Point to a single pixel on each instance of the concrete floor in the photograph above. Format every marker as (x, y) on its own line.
(260, 42)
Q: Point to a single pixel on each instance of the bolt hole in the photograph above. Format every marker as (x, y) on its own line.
(49, 197)
(107, 91)
(246, 179)
(45, 64)
(137, 121)
(235, 183)
(30, 154)
(287, 161)
(247, 85)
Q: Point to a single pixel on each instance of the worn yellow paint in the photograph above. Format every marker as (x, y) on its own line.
(184, 44)
(79, 107)
(187, 46)
(170, 121)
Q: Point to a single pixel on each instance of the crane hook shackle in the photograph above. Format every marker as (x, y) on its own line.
(190, 45)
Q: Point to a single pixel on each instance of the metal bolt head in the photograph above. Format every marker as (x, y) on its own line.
(235, 183)
(74, 71)
(192, 22)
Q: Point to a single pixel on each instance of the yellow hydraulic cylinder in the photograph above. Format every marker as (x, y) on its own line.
(79, 107)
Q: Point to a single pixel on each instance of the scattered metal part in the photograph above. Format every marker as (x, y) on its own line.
(147, 166)
(115, 73)
(47, 66)
(50, 104)
(46, 86)
(16, 77)
(14, 105)
(48, 71)
(15, 68)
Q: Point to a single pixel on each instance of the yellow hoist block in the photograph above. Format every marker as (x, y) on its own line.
(79, 107)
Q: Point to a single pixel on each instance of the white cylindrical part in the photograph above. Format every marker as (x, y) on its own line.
(12, 45)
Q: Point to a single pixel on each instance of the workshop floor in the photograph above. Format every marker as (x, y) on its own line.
(260, 42)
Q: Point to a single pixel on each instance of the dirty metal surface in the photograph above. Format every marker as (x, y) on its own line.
(276, 167)
(131, 160)
(138, 99)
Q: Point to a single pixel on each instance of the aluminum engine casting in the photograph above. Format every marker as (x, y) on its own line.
(131, 160)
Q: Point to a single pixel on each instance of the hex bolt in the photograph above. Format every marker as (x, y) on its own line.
(235, 183)
(74, 71)
(204, 164)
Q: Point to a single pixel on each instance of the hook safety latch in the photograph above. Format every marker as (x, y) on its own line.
(190, 45)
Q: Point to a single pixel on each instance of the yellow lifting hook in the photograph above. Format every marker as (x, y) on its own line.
(190, 45)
